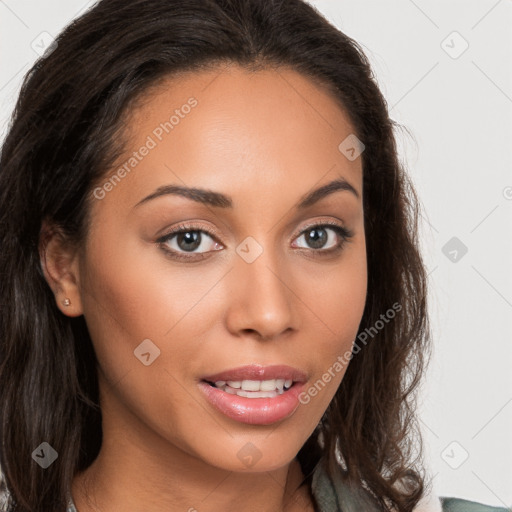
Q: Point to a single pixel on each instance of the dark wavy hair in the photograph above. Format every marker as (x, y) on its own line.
(64, 135)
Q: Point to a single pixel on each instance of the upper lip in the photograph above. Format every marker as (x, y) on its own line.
(259, 372)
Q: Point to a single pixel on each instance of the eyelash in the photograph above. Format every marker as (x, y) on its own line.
(345, 237)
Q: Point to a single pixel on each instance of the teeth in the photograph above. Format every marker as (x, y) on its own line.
(252, 385)
(255, 388)
(257, 394)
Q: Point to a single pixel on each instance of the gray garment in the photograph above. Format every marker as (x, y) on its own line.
(337, 496)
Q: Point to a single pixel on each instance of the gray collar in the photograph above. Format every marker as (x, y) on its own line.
(338, 495)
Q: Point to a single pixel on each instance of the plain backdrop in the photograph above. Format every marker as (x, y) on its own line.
(444, 68)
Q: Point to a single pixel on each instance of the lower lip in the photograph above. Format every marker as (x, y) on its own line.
(254, 411)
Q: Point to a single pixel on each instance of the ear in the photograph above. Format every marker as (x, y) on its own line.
(60, 265)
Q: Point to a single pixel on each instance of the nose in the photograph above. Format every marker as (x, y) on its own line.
(262, 302)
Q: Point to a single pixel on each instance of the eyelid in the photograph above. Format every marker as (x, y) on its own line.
(188, 226)
(317, 223)
(192, 225)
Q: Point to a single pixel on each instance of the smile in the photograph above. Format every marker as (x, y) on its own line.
(254, 388)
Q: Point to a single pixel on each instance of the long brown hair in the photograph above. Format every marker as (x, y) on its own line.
(61, 141)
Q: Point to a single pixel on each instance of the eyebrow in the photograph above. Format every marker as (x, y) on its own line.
(211, 198)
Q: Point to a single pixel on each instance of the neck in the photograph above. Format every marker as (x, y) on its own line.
(118, 485)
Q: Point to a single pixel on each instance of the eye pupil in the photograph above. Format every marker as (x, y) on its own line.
(318, 240)
(190, 237)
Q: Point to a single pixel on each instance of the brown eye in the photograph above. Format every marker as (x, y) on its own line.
(188, 240)
(184, 242)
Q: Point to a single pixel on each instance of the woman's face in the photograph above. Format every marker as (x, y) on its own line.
(248, 281)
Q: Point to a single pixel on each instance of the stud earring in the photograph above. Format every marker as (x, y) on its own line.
(66, 302)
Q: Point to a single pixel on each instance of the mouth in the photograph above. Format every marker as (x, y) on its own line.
(257, 381)
(253, 388)
(255, 394)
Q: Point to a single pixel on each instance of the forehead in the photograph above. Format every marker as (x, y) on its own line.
(231, 127)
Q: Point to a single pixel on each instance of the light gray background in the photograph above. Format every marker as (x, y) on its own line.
(457, 110)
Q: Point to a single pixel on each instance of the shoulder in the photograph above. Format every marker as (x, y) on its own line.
(460, 505)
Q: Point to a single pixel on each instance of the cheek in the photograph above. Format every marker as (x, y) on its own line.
(131, 309)
(336, 297)
(119, 297)
(337, 305)
(132, 293)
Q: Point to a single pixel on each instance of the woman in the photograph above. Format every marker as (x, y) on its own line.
(272, 364)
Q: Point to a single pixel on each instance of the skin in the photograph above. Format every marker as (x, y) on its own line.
(266, 139)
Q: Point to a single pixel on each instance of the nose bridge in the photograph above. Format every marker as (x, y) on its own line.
(261, 299)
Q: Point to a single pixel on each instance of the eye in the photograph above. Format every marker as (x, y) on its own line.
(191, 242)
(327, 237)
(188, 239)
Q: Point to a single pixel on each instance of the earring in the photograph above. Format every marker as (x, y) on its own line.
(66, 302)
